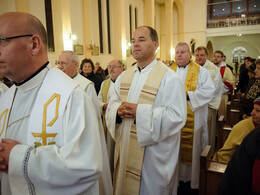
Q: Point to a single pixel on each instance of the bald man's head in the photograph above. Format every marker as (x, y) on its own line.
(23, 48)
(23, 23)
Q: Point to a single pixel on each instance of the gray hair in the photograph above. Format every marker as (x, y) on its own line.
(183, 43)
(73, 56)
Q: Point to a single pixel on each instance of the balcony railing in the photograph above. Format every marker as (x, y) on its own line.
(233, 22)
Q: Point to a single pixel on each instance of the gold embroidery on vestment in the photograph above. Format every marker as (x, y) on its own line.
(44, 136)
(18, 120)
(4, 113)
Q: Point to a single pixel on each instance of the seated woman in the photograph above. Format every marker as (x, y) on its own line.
(252, 92)
(237, 134)
(87, 68)
(242, 175)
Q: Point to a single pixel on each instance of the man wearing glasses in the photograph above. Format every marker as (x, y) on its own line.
(69, 64)
(50, 143)
(115, 68)
(228, 80)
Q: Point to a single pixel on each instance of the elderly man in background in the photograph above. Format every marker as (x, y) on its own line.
(194, 135)
(201, 54)
(115, 68)
(144, 116)
(227, 78)
(50, 138)
(69, 64)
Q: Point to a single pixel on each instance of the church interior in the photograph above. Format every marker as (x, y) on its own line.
(102, 31)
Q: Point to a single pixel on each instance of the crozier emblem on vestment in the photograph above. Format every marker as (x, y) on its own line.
(44, 136)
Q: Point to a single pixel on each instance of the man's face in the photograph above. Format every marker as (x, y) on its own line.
(67, 65)
(182, 55)
(201, 57)
(14, 53)
(217, 59)
(114, 69)
(256, 114)
(143, 46)
(257, 71)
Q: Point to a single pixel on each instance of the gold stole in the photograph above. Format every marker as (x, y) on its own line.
(135, 152)
(105, 89)
(104, 92)
(188, 129)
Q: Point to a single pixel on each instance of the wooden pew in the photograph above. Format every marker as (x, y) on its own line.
(232, 115)
(211, 173)
(220, 133)
(235, 104)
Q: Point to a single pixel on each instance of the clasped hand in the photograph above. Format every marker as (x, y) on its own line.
(5, 149)
(127, 110)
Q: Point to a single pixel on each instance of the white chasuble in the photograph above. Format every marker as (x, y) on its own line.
(69, 160)
(199, 100)
(135, 152)
(47, 114)
(157, 128)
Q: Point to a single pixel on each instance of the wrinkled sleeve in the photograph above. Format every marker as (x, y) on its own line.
(73, 168)
(218, 88)
(167, 116)
(204, 92)
(229, 81)
(91, 92)
(111, 112)
(100, 100)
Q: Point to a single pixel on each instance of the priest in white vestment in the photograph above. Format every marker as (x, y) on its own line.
(69, 64)
(158, 125)
(228, 80)
(201, 54)
(199, 92)
(115, 68)
(50, 136)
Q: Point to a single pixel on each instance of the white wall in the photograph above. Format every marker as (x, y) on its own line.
(228, 43)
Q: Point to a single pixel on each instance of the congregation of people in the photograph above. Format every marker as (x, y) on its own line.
(79, 129)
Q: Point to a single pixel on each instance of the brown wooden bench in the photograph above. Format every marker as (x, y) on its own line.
(232, 115)
(211, 173)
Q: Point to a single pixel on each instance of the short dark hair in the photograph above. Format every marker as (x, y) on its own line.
(220, 52)
(248, 58)
(202, 48)
(87, 60)
(153, 33)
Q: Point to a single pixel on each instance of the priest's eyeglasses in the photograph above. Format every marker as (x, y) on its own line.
(62, 63)
(113, 66)
(4, 40)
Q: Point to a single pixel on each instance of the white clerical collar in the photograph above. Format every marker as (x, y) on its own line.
(184, 66)
(34, 81)
(206, 63)
(147, 67)
(222, 64)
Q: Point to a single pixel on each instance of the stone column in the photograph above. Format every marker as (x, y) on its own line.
(149, 13)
